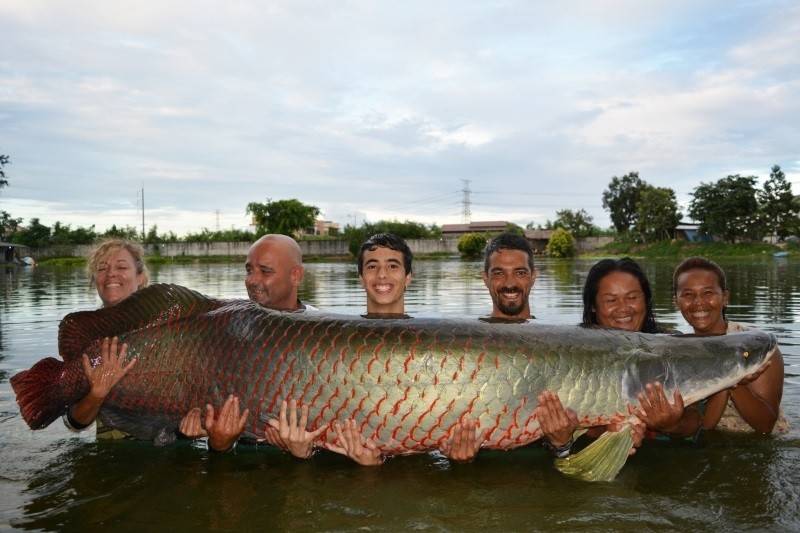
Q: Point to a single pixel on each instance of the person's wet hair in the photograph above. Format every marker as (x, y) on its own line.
(100, 253)
(700, 263)
(387, 240)
(691, 263)
(507, 241)
(602, 269)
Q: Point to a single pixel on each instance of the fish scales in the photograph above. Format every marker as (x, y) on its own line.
(405, 382)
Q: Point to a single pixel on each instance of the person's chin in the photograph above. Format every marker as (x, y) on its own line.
(510, 310)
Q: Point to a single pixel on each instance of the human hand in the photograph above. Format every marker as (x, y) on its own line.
(109, 370)
(464, 441)
(557, 424)
(656, 411)
(191, 426)
(352, 444)
(225, 429)
(291, 436)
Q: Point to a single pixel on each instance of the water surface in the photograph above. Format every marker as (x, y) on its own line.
(56, 480)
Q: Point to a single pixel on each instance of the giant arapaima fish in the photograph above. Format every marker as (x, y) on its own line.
(406, 382)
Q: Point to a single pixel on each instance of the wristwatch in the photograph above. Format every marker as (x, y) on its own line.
(558, 451)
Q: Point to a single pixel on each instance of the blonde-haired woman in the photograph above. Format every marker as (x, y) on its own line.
(116, 268)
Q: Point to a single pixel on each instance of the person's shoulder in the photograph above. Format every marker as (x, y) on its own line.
(738, 327)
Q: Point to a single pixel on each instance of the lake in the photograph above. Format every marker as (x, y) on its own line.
(55, 480)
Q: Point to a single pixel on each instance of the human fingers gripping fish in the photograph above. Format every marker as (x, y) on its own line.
(406, 383)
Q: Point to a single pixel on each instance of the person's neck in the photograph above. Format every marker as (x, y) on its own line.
(288, 305)
(719, 328)
(525, 314)
(394, 308)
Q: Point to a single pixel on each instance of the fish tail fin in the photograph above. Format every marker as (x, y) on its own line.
(601, 460)
(40, 398)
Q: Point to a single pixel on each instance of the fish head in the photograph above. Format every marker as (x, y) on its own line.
(724, 361)
(753, 350)
(698, 366)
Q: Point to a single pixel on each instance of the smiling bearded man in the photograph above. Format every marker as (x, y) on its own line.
(509, 275)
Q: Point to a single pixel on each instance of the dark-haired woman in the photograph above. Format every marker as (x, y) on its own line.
(701, 293)
(617, 295)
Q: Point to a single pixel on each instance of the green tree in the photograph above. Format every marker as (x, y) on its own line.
(405, 230)
(35, 235)
(228, 235)
(8, 225)
(621, 200)
(561, 244)
(515, 229)
(472, 244)
(4, 160)
(64, 234)
(778, 207)
(152, 236)
(727, 208)
(128, 232)
(578, 223)
(657, 214)
(282, 216)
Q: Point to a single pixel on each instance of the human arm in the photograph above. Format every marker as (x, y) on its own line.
(224, 430)
(290, 435)
(352, 444)
(102, 378)
(659, 414)
(757, 397)
(464, 441)
(715, 406)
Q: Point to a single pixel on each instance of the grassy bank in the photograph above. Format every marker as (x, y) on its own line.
(221, 259)
(681, 249)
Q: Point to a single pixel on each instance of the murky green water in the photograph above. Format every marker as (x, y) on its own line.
(55, 480)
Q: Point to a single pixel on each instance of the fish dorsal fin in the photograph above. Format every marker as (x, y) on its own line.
(157, 304)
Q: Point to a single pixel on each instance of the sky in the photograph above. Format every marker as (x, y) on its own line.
(381, 110)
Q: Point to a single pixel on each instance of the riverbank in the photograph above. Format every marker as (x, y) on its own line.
(664, 249)
(226, 259)
(683, 249)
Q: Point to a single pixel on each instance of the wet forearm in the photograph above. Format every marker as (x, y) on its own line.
(689, 423)
(85, 411)
(714, 409)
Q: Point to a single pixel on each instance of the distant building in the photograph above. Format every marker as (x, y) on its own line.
(538, 238)
(457, 230)
(689, 231)
(322, 228)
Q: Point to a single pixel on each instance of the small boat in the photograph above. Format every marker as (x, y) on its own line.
(782, 253)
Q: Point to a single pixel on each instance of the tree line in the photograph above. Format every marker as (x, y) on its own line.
(732, 209)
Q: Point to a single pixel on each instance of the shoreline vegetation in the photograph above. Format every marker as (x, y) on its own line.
(663, 249)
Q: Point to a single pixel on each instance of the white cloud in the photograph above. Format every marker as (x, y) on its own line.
(371, 108)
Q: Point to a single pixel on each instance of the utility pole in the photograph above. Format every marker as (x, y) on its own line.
(466, 213)
(217, 212)
(143, 232)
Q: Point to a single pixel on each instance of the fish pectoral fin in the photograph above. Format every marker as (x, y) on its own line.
(601, 460)
(578, 433)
